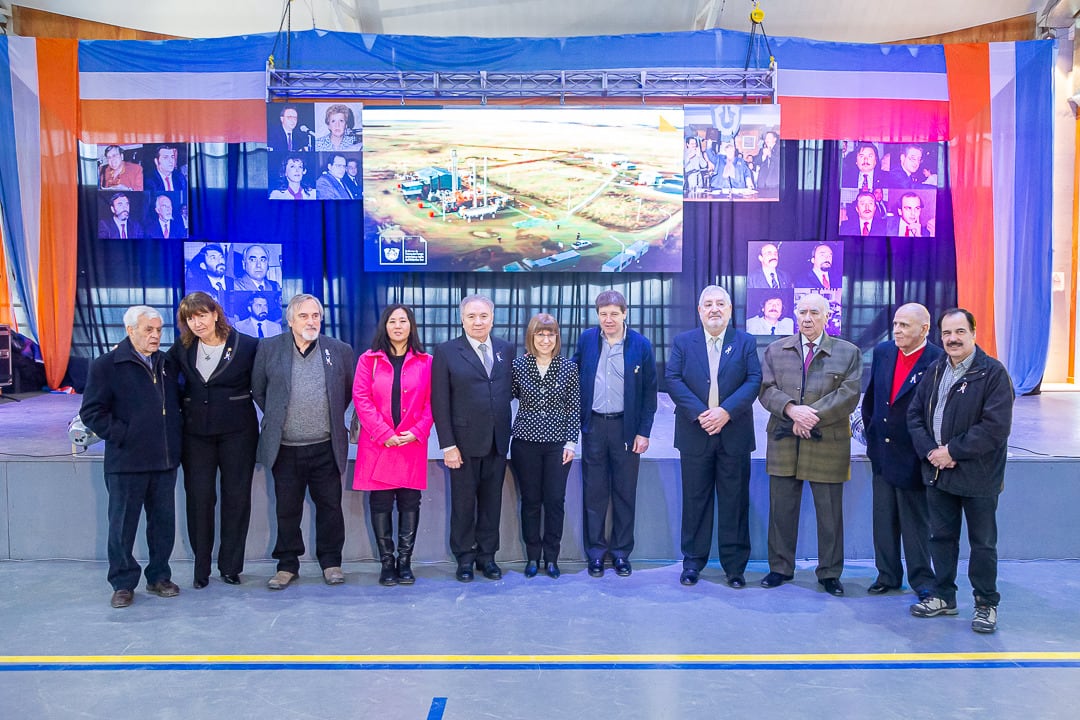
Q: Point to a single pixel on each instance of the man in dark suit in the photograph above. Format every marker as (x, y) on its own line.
(256, 262)
(330, 185)
(908, 219)
(911, 173)
(132, 402)
(713, 378)
(166, 177)
(162, 224)
(767, 274)
(120, 225)
(809, 385)
(352, 180)
(866, 221)
(470, 402)
(206, 273)
(302, 381)
(286, 137)
(618, 402)
(819, 275)
(899, 506)
(863, 173)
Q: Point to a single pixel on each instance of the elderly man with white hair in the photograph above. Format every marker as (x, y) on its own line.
(810, 386)
(132, 402)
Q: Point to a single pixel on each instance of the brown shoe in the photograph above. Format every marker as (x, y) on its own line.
(333, 576)
(281, 580)
(122, 599)
(164, 588)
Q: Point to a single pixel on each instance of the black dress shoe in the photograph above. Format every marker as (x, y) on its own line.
(200, 583)
(596, 568)
(230, 579)
(464, 573)
(491, 570)
(531, 568)
(622, 567)
(736, 581)
(775, 579)
(833, 586)
(552, 569)
(879, 588)
(689, 577)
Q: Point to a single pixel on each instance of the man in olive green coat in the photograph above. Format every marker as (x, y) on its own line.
(810, 386)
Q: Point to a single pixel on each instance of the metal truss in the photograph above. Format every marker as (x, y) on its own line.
(755, 85)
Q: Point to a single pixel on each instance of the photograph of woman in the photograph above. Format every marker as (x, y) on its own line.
(392, 396)
(342, 133)
(221, 432)
(545, 433)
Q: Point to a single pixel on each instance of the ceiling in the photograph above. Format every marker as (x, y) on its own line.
(835, 20)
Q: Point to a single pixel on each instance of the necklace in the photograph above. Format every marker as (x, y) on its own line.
(205, 351)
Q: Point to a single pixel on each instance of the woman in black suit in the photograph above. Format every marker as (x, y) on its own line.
(220, 432)
(544, 436)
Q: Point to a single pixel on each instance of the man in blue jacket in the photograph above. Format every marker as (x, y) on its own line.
(618, 402)
(714, 377)
(960, 420)
(899, 505)
(132, 403)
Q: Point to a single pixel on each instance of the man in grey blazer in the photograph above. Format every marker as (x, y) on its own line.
(302, 381)
(810, 386)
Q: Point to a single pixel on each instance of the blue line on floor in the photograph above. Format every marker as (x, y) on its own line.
(438, 707)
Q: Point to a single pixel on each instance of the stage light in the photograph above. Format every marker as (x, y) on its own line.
(81, 435)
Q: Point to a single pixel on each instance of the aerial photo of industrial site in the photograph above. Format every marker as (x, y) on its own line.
(523, 190)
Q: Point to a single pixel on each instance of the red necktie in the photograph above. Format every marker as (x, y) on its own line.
(865, 229)
(865, 183)
(168, 183)
(809, 356)
(825, 280)
(909, 233)
(123, 231)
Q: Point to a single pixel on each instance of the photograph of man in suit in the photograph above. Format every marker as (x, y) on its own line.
(618, 401)
(766, 274)
(302, 381)
(162, 225)
(258, 323)
(284, 135)
(116, 173)
(899, 505)
(771, 320)
(810, 385)
(911, 173)
(352, 179)
(908, 219)
(166, 176)
(863, 173)
(206, 272)
(820, 275)
(470, 402)
(866, 220)
(713, 377)
(330, 185)
(256, 262)
(120, 225)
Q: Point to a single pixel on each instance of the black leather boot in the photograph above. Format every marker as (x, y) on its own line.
(407, 524)
(382, 524)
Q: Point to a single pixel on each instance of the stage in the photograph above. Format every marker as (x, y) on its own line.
(54, 501)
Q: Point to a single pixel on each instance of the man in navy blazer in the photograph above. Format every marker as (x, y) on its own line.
(899, 506)
(713, 377)
(470, 403)
(618, 402)
(165, 176)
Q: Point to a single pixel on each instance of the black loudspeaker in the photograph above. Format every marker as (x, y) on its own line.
(5, 357)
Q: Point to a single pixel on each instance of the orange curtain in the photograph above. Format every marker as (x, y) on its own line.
(58, 90)
(7, 315)
(972, 181)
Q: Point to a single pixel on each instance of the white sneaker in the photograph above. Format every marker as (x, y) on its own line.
(932, 607)
(985, 619)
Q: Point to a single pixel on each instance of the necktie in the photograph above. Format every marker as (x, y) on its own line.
(288, 140)
(772, 281)
(260, 328)
(220, 288)
(168, 183)
(123, 231)
(809, 357)
(486, 358)
(165, 229)
(259, 286)
(909, 233)
(772, 330)
(825, 280)
(865, 229)
(714, 368)
(865, 183)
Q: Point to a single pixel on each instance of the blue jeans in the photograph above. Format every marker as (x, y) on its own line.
(129, 493)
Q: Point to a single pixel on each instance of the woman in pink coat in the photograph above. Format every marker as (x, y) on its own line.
(392, 395)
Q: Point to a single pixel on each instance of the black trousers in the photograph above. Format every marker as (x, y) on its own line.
(609, 473)
(720, 474)
(129, 495)
(309, 468)
(945, 520)
(382, 501)
(476, 507)
(541, 476)
(785, 502)
(901, 514)
(203, 457)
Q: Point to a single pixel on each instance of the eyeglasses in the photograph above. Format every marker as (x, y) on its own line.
(544, 336)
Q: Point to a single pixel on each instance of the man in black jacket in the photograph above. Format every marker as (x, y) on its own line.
(132, 403)
(960, 419)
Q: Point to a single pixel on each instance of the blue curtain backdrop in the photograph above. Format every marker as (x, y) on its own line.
(321, 247)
